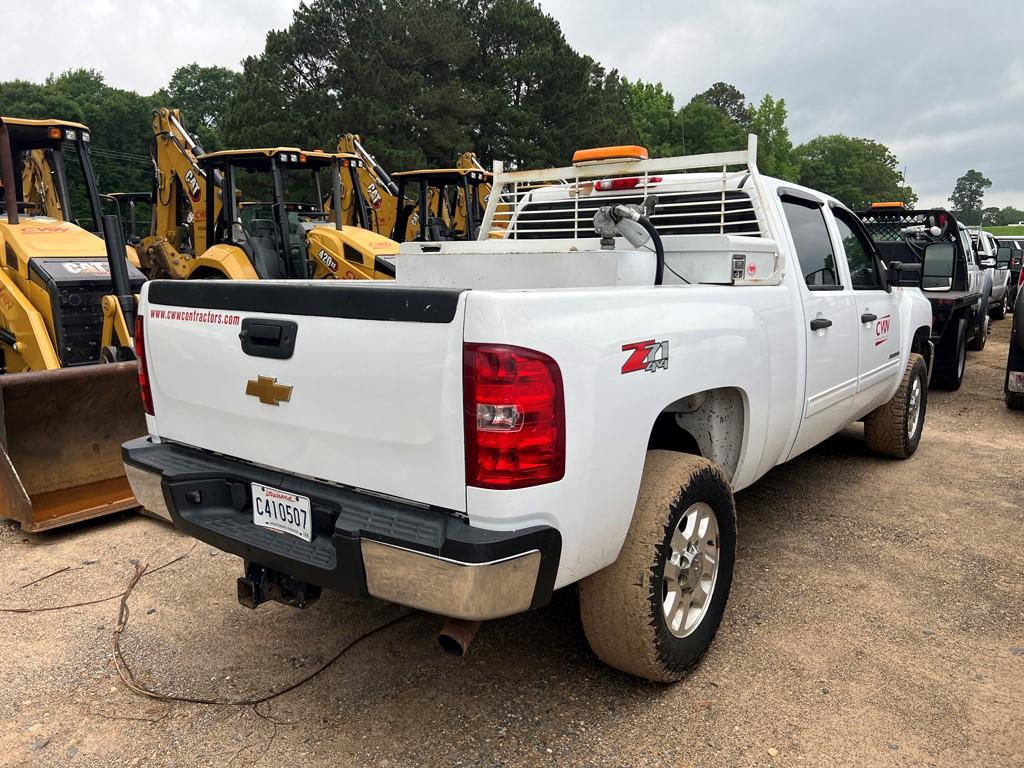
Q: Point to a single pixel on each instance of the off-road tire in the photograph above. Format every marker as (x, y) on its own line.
(1014, 400)
(952, 377)
(998, 313)
(886, 429)
(621, 606)
(977, 343)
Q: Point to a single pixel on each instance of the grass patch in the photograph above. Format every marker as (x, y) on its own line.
(1013, 230)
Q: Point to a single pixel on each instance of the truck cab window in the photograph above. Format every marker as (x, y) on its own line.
(859, 256)
(813, 245)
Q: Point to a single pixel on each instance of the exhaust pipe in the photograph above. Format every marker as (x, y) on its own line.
(456, 635)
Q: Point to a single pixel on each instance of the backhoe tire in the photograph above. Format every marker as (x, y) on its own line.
(952, 377)
(654, 612)
(895, 428)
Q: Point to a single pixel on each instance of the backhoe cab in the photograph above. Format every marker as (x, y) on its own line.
(67, 300)
(454, 200)
(391, 204)
(273, 216)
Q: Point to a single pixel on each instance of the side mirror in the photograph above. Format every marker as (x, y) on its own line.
(904, 275)
(1004, 256)
(987, 263)
(937, 267)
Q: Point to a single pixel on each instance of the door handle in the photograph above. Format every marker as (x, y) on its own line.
(820, 323)
(868, 317)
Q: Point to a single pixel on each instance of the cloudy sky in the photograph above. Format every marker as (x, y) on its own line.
(941, 83)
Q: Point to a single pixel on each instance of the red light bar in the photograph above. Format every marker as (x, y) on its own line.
(626, 182)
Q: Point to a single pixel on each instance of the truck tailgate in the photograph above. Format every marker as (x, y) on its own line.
(375, 377)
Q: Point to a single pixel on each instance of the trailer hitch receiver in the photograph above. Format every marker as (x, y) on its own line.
(262, 584)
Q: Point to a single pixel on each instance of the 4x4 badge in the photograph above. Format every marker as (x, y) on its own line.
(268, 390)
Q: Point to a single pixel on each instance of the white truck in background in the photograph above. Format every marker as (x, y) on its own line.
(547, 406)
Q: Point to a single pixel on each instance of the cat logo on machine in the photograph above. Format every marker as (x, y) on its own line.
(327, 260)
(647, 356)
(87, 267)
(193, 184)
(882, 330)
(374, 193)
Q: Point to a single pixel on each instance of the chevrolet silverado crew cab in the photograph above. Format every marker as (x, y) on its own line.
(571, 399)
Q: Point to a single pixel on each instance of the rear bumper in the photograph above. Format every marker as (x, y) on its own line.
(363, 545)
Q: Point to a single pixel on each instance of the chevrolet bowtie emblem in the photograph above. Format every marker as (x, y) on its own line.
(268, 390)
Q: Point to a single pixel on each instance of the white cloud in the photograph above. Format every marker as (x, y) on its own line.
(136, 45)
(940, 83)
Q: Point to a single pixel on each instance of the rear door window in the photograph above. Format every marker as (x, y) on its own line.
(813, 245)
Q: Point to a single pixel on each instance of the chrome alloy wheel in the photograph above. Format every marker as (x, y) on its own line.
(691, 569)
(914, 407)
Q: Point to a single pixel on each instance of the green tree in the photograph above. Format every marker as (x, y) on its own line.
(774, 149)
(1009, 215)
(968, 195)
(705, 128)
(202, 94)
(424, 79)
(395, 72)
(655, 121)
(856, 171)
(730, 101)
(118, 121)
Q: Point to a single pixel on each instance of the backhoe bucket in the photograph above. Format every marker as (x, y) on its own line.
(62, 435)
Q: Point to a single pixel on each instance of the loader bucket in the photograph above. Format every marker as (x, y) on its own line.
(61, 440)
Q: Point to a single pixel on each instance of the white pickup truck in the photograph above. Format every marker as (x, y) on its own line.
(539, 408)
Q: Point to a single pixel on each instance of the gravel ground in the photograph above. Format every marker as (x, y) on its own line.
(876, 618)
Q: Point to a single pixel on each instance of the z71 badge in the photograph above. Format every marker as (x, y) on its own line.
(647, 356)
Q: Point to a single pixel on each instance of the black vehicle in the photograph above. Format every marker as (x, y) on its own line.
(1013, 384)
(959, 310)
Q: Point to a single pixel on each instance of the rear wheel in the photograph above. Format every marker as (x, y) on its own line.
(953, 376)
(998, 313)
(895, 428)
(654, 611)
(981, 337)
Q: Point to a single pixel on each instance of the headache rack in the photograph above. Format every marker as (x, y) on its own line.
(894, 224)
(711, 194)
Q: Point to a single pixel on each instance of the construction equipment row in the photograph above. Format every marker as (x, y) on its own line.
(68, 282)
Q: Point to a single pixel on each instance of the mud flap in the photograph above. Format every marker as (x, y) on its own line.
(61, 439)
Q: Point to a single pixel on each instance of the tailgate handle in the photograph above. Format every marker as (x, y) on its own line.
(268, 338)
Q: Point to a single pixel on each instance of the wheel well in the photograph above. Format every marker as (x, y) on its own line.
(709, 424)
(921, 346)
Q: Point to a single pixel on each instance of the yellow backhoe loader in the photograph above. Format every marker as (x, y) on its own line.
(68, 387)
(393, 209)
(279, 227)
(193, 237)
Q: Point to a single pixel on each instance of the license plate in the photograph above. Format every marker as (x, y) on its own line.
(282, 511)
(1016, 383)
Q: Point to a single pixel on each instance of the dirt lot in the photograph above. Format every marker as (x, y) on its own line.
(877, 618)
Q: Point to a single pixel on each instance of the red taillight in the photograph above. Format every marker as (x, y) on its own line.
(626, 182)
(140, 354)
(514, 417)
